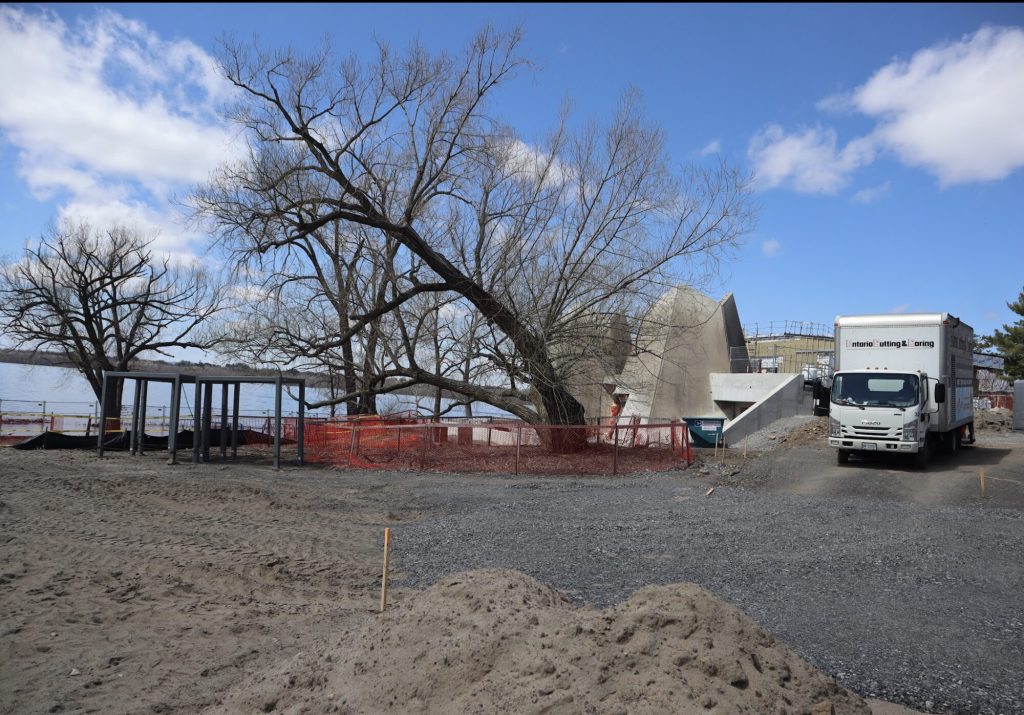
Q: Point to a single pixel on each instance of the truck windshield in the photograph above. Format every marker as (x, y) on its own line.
(874, 390)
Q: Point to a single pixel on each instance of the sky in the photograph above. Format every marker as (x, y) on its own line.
(885, 142)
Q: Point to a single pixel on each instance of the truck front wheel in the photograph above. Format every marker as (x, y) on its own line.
(842, 456)
(921, 458)
(951, 441)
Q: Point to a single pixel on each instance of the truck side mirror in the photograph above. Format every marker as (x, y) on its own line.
(940, 393)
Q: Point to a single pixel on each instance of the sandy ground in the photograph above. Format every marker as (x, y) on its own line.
(129, 586)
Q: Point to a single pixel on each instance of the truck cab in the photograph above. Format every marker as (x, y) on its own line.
(882, 411)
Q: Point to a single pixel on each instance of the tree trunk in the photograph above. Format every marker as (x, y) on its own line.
(113, 404)
(563, 413)
(349, 372)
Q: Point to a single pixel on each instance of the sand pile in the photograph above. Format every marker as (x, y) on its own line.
(497, 641)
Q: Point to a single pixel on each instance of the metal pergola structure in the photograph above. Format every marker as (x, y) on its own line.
(203, 411)
(138, 421)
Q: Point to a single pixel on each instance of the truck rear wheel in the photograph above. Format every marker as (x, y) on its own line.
(842, 456)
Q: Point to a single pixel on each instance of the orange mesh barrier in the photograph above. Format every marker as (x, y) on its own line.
(503, 446)
(412, 443)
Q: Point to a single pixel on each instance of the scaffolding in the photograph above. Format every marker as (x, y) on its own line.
(789, 346)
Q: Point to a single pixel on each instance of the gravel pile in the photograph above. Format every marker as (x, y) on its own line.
(777, 432)
(994, 420)
(911, 603)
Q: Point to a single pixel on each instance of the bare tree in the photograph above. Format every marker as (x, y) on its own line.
(551, 246)
(102, 300)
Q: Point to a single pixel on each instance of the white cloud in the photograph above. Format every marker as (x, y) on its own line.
(532, 162)
(771, 247)
(955, 109)
(108, 115)
(871, 193)
(808, 161)
(171, 235)
(902, 308)
(712, 147)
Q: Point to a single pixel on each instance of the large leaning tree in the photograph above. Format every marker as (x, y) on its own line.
(103, 299)
(382, 204)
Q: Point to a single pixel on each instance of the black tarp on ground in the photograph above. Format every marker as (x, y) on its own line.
(122, 440)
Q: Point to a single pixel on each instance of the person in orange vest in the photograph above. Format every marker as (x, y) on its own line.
(618, 402)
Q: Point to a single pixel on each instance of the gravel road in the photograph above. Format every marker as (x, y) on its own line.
(914, 603)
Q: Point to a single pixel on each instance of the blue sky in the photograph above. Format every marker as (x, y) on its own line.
(887, 141)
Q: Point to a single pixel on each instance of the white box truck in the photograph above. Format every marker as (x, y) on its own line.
(903, 384)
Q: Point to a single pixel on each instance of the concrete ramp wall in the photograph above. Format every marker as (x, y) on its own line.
(785, 400)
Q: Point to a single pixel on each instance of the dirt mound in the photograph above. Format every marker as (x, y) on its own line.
(994, 420)
(496, 641)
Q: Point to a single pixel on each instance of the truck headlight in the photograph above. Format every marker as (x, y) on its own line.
(910, 431)
(833, 426)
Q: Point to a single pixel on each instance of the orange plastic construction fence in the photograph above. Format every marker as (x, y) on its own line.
(499, 446)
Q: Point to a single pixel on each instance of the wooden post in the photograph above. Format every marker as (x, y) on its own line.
(351, 443)
(384, 576)
(981, 481)
(142, 413)
(134, 441)
(197, 418)
(277, 423)
(102, 429)
(172, 428)
(88, 425)
(234, 422)
(300, 428)
(207, 419)
(224, 422)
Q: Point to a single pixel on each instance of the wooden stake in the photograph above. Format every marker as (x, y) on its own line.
(384, 577)
(981, 481)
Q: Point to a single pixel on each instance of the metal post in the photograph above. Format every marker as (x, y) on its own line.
(224, 422)
(519, 441)
(142, 412)
(234, 424)
(101, 432)
(207, 418)
(300, 429)
(172, 428)
(615, 451)
(197, 419)
(277, 423)
(133, 439)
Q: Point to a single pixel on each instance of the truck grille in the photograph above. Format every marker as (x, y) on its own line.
(883, 434)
